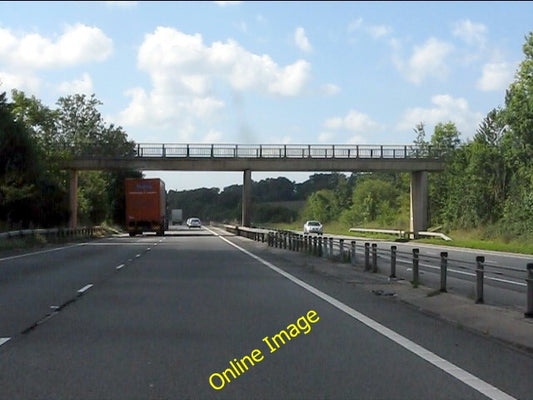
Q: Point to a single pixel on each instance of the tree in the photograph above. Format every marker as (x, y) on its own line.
(519, 98)
(19, 168)
(420, 141)
(81, 130)
(517, 145)
(374, 200)
(320, 206)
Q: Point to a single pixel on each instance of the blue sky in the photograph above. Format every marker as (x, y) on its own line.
(267, 72)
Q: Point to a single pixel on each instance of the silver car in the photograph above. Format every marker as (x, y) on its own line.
(194, 223)
(312, 227)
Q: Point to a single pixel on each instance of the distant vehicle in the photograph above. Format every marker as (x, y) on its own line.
(312, 227)
(146, 203)
(194, 222)
(176, 216)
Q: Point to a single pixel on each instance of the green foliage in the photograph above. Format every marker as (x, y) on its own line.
(320, 206)
(263, 213)
(375, 199)
(34, 139)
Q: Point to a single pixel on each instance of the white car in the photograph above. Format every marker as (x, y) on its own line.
(194, 222)
(312, 227)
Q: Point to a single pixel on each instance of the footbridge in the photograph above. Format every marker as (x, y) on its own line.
(272, 158)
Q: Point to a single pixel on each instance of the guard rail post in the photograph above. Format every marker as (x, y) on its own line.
(443, 270)
(529, 281)
(393, 262)
(325, 248)
(415, 267)
(480, 274)
(320, 246)
(367, 256)
(315, 252)
(331, 247)
(285, 240)
(374, 257)
(352, 253)
(341, 247)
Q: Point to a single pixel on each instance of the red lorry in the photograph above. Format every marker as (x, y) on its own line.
(145, 206)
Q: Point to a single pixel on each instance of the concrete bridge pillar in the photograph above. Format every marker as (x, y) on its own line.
(73, 199)
(419, 202)
(246, 197)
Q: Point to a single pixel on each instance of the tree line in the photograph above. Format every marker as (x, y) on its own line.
(34, 139)
(487, 183)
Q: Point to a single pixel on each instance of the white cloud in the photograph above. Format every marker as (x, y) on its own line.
(300, 39)
(212, 136)
(78, 44)
(354, 121)
(355, 25)
(470, 32)
(428, 60)
(187, 74)
(180, 62)
(20, 81)
(495, 76)
(376, 31)
(356, 139)
(330, 89)
(326, 137)
(83, 85)
(445, 108)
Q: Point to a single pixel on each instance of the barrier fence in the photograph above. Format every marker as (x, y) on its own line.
(54, 233)
(385, 260)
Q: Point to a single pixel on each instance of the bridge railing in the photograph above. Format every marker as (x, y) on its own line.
(287, 151)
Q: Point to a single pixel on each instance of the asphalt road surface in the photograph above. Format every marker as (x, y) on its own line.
(206, 315)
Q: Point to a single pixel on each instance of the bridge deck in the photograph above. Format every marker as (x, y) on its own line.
(290, 157)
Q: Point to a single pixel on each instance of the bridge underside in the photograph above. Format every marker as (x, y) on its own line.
(416, 166)
(258, 164)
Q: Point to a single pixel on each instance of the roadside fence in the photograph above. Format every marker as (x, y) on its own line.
(385, 260)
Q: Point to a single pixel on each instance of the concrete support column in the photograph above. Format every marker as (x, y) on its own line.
(419, 202)
(246, 197)
(73, 199)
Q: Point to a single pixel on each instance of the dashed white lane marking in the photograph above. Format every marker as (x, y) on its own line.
(85, 288)
(137, 256)
(120, 266)
(3, 340)
(467, 378)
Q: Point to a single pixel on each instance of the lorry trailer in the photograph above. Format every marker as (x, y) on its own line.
(145, 206)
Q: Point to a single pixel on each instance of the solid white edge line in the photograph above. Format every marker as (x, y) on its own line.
(3, 340)
(460, 374)
(41, 252)
(119, 266)
(85, 288)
